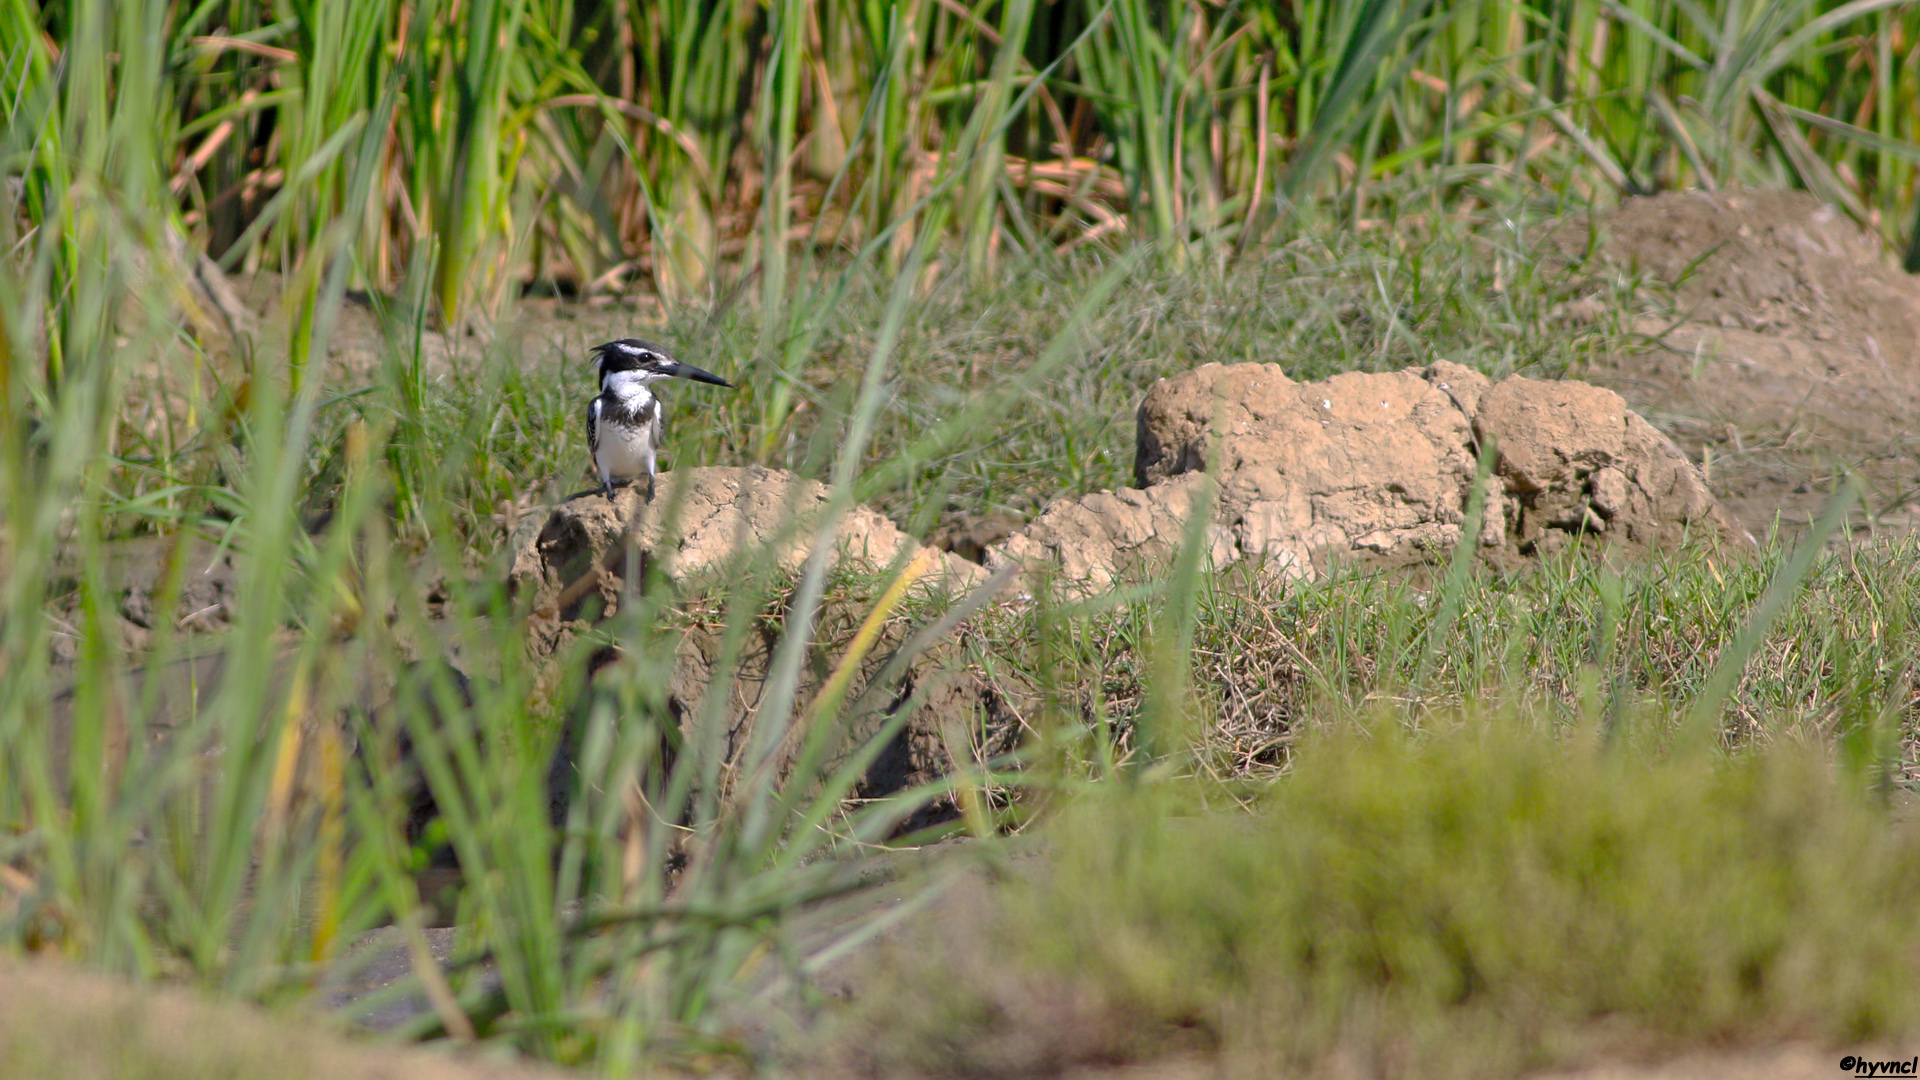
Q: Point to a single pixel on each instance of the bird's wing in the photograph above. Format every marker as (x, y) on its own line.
(659, 425)
(593, 426)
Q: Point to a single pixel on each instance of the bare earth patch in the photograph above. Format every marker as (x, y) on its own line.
(57, 1023)
(1788, 350)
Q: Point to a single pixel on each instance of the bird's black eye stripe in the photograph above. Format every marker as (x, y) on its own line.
(629, 354)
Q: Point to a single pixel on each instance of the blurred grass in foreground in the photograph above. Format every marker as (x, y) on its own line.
(1474, 897)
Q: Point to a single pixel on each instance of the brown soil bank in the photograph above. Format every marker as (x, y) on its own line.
(58, 1023)
(1782, 348)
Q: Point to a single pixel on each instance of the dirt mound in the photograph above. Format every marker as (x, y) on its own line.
(1574, 460)
(1374, 469)
(1777, 262)
(571, 565)
(1110, 536)
(1784, 347)
(699, 523)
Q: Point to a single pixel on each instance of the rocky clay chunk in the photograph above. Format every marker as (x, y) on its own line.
(1373, 469)
(1574, 460)
(699, 522)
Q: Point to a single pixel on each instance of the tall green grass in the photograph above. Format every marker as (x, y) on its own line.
(693, 143)
(225, 834)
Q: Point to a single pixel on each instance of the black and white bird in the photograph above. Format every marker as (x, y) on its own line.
(623, 421)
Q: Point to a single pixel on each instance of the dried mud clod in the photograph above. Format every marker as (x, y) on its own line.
(570, 567)
(1375, 469)
(1574, 460)
(699, 524)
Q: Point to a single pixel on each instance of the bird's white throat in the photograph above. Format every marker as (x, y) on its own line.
(630, 386)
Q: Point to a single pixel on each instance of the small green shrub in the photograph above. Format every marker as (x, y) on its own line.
(1481, 900)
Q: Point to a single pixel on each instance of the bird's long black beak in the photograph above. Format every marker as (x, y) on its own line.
(681, 370)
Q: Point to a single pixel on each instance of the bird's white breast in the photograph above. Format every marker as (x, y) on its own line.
(625, 448)
(622, 453)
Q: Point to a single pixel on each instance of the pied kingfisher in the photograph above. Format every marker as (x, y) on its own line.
(623, 420)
